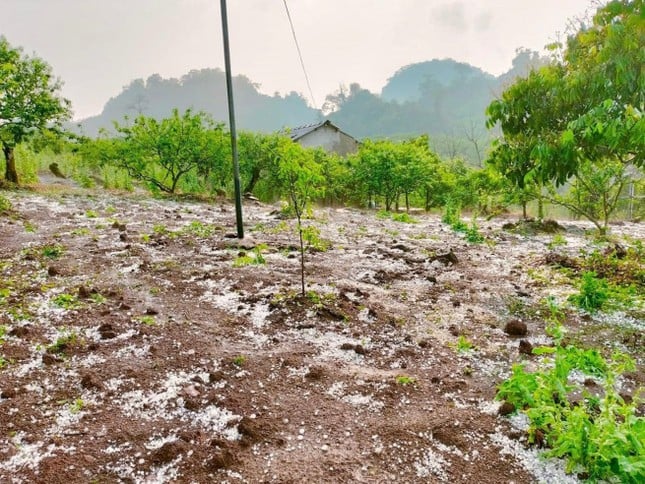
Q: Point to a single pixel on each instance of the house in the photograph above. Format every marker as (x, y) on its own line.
(325, 135)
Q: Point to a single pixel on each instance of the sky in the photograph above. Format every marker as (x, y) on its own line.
(98, 46)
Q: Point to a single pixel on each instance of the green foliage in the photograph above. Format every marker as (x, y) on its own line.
(239, 360)
(5, 205)
(555, 318)
(472, 233)
(594, 293)
(63, 342)
(595, 191)
(299, 178)
(76, 406)
(146, 319)
(389, 170)
(601, 435)
(463, 345)
(29, 101)
(452, 213)
(403, 217)
(244, 259)
(66, 301)
(311, 235)
(585, 107)
(558, 240)
(161, 153)
(52, 251)
(199, 229)
(97, 298)
(405, 380)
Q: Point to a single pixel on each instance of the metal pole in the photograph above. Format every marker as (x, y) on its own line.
(231, 117)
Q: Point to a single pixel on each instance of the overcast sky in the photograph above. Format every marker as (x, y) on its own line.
(99, 46)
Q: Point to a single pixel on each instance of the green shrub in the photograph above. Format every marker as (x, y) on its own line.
(594, 293)
(472, 234)
(52, 251)
(601, 435)
(5, 205)
(404, 217)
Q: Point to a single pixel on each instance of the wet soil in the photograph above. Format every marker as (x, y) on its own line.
(140, 345)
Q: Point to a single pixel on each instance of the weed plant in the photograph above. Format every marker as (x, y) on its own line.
(594, 293)
(244, 259)
(405, 380)
(558, 240)
(403, 217)
(601, 436)
(63, 342)
(52, 251)
(5, 205)
(311, 236)
(472, 234)
(66, 301)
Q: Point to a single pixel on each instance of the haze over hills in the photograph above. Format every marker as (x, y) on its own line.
(442, 98)
(203, 90)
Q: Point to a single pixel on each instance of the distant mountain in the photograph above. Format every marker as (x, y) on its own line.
(409, 83)
(204, 90)
(444, 98)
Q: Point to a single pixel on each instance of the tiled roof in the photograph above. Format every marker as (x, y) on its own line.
(300, 131)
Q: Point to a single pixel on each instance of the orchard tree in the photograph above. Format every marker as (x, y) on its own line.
(585, 109)
(30, 101)
(387, 169)
(414, 166)
(300, 179)
(606, 81)
(375, 170)
(595, 191)
(160, 153)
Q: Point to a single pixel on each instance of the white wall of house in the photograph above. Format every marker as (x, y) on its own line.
(330, 139)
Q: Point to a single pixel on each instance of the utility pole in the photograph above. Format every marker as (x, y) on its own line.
(231, 117)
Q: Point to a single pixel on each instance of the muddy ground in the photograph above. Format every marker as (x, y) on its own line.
(142, 345)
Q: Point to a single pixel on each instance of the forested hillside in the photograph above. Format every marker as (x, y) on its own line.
(203, 90)
(443, 98)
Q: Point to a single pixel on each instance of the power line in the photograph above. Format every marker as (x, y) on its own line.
(302, 63)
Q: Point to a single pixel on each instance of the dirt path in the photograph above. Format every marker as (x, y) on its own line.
(140, 348)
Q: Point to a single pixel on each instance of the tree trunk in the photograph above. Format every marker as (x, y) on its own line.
(302, 258)
(407, 202)
(255, 176)
(524, 210)
(11, 175)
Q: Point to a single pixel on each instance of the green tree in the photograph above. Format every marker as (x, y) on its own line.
(595, 191)
(388, 170)
(413, 167)
(29, 101)
(606, 80)
(585, 107)
(300, 179)
(160, 153)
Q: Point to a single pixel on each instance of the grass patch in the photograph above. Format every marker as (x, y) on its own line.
(66, 301)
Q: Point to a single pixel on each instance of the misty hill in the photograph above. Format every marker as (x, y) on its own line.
(411, 82)
(443, 98)
(204, 90)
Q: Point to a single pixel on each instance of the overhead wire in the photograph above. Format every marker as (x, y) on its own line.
(302, 62)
